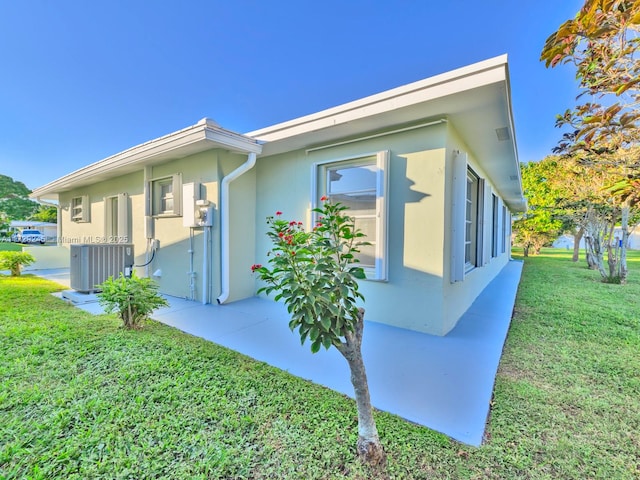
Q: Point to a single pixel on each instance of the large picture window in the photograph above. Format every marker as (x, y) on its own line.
(360, 184)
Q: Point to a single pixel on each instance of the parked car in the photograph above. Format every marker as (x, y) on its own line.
(29, 236)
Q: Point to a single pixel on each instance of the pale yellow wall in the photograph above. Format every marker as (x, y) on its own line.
(412, 296)
(94, 230)
(242, 242)
(459, 296)
(49, 256)
(172, 257)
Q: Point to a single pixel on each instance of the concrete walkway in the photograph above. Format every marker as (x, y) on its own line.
(444, 383)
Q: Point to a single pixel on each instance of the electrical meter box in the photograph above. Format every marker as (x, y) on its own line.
(196, 211)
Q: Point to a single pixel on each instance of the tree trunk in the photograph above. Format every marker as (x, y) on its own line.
(576, 244)
(369, 446)
(624, 271)
(525, 253)
(590, 256)
(612, 259)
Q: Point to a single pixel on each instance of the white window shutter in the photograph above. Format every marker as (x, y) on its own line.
(458, 215)
(382, 192)
(177, 193)
(148, 200)
(487, 228)
(86, 209)
(499, 236)
(481, 239)
(123, 217)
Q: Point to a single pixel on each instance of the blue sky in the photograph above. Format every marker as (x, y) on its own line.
(83, 80)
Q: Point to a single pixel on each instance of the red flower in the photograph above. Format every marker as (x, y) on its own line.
(324, 198)
(292, 223)
(299, 224)
(255, 267)
(278, 213)
(280, 234)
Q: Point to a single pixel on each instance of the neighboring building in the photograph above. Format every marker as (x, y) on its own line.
(567, 240)
(49, 230)
(430, 170)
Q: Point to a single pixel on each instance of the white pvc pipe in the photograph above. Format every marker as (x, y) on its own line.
(225, 222)
(205, 266)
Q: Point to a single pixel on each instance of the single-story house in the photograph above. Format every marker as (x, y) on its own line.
(429, 169)
(49, 230)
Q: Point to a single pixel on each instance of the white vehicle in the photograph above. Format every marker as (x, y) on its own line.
(29, 236)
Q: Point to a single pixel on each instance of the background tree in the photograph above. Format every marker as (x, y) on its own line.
(540, 225)
(45, 213)
(14, 199)
(315, 273)
(602, 43)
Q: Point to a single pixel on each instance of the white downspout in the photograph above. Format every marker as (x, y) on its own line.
(224, 224)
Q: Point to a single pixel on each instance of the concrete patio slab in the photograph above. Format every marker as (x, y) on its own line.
(444, 383)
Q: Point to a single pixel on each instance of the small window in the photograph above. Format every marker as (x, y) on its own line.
(359, 184)
(165, 196)
(80, 209)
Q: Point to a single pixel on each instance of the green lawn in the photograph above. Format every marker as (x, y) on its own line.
(12, 247)
(81, 398)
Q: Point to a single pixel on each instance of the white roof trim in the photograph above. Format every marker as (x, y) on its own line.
(465, 78)
(206, 131)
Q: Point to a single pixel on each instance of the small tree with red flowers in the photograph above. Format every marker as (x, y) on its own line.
(315, 273)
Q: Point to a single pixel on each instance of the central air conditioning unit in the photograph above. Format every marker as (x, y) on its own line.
(92, 264)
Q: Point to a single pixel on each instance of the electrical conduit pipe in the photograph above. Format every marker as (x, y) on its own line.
(224, 224)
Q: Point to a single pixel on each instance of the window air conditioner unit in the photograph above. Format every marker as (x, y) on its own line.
(92, 264)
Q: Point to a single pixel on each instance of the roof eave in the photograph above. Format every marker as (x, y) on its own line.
(204, 135)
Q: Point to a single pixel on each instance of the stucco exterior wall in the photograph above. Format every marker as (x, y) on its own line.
(172, 258)
(94, 230)
(458, 297)
(411, 297)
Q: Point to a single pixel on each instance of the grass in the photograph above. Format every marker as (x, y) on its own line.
(11, 247)
(82, 398)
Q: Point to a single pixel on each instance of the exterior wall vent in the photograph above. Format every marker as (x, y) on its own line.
(92, 264)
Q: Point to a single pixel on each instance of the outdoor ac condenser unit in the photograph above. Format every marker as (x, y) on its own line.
(92, 264)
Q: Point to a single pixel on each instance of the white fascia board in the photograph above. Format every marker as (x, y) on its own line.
(203, 131)
(521, 205)
(232, 141)
(466, 78)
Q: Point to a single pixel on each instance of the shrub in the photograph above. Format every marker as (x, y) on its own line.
(133, 298)
(14, 261)
(316, 274)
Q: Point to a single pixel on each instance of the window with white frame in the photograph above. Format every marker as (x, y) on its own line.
(80, 209)
(360, 184)
(471, 232)
(165, 196)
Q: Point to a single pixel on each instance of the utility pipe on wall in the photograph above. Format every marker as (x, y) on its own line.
(225, 222)
(205, 265)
